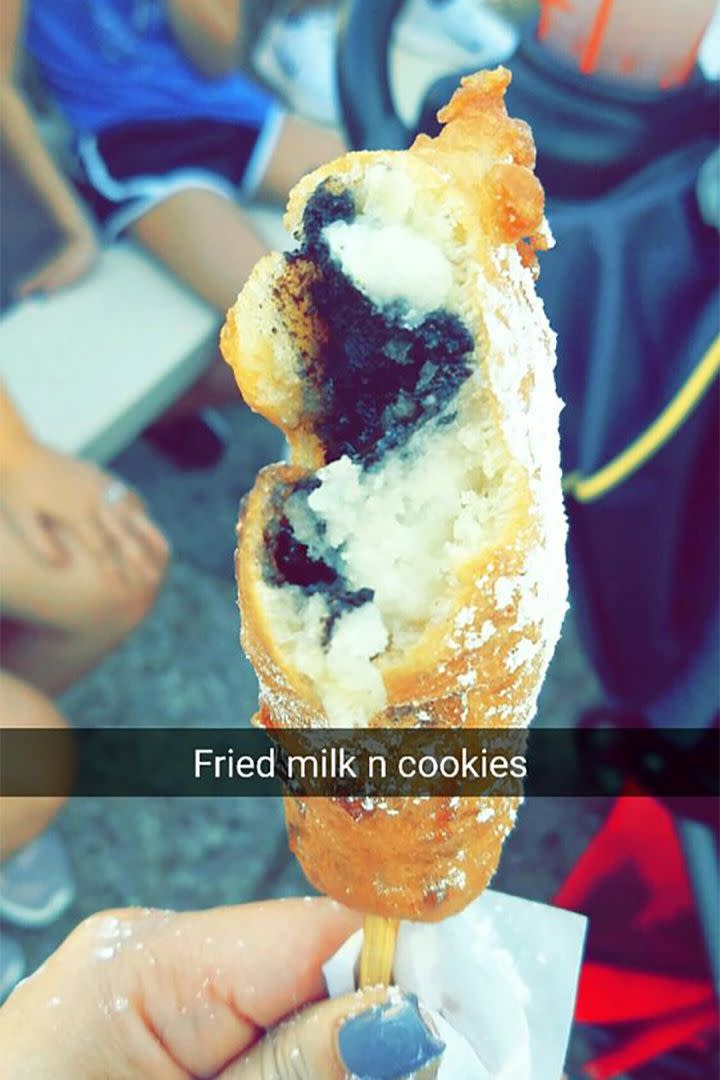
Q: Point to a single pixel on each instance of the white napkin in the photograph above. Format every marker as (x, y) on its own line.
(499, 980)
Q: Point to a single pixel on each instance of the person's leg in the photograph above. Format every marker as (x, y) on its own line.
(22, 819)
(301, 147)
(59, 622)
(211, 245)
(207, 240)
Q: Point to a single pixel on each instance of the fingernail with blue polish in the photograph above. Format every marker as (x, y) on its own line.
(389, 1041)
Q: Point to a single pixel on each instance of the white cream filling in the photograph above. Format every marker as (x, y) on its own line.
(349, 685)
(391, 263)
(399, 530)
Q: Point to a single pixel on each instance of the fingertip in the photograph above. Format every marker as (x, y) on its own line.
(135, 502)
(321, 912)
(308, 1045)
(387, 1033)
(155, 541)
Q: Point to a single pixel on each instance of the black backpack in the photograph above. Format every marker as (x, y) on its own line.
(632, 291)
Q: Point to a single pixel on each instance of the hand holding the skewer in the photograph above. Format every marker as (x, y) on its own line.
(233, 993)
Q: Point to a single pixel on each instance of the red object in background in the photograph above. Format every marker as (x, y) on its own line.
(646, 970)
(589, 57)
(548, 8)
(655, 43)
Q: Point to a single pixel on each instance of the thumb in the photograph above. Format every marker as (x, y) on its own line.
(374, 1034)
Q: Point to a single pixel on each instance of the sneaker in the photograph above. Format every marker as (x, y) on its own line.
(36, 883)
(196, 441)
(468, 26)
(12, 964)
(296, 56)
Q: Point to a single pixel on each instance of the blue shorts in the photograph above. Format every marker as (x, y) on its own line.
(126, 170)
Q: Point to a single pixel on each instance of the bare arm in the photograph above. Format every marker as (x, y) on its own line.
(210, 33)
(21, 136)
(37, 166)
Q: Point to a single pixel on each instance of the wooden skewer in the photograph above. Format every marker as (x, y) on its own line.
(378, 951)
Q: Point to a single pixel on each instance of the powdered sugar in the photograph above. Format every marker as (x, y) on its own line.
(465, 617)
(505, 588)
(521, 372)
(456, 878)
(524, 650)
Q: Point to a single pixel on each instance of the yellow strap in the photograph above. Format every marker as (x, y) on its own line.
(588, 488)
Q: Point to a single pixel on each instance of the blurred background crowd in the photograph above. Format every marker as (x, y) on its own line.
(148, 149)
